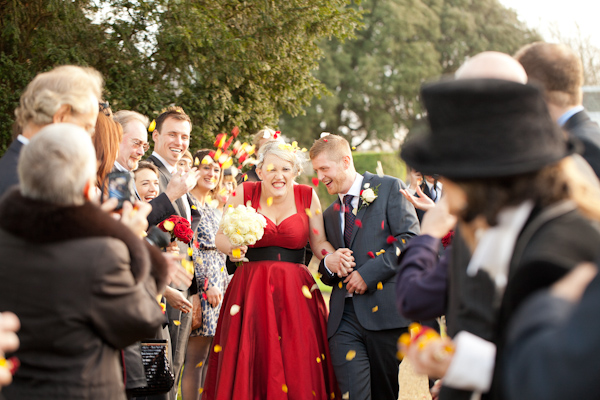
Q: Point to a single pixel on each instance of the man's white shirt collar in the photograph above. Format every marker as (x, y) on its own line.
(169, 167)
(23, 139)
(120, 167)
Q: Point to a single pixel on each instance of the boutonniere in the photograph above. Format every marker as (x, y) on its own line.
(367, 195)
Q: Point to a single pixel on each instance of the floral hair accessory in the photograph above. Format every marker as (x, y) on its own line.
(152, 126)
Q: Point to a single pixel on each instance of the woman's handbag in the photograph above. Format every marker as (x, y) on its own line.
(196, 312)
(159, 377)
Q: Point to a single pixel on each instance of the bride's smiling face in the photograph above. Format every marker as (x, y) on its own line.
(277, 175)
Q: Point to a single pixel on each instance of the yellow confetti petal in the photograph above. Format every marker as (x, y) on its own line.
(403, 240)
(318, 211)
(270, 167)
(194, 207)
(379, 286)
(284, 388)
(318, 359)
(340, 285)
(200, 390)
(218, 348)
(346, 396)
(218, 154)
(236, 253)
(379, 169)
(269, 201)
(354, 210)
(222, 269)
(234, 309)
(245, 178)
(306, 292)
(314, 287)
(307, 211)
(168, 225)
(322, 356)
(207, 160)
(196, 161)
(314, 394)
(176, 323)
(152, 126)
(201, 363)
(350, 355)
(190, 251)
(332, 395)
(374, 309)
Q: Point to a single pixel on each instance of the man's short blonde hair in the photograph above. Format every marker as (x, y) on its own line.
(48, 91)
(336, 147)
(57, 164)
(124, 117)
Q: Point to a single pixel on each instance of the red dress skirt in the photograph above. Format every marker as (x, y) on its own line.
(274, 346)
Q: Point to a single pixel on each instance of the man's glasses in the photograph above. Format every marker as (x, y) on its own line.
(137, 144)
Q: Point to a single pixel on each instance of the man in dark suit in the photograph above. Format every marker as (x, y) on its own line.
(64, 94)
(171, 139)
(559, 71)
(374, 220)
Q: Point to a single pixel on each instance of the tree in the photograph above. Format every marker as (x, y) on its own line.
(226, 62)
(374, 81)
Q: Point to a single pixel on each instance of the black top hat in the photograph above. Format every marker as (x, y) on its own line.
(483, 128)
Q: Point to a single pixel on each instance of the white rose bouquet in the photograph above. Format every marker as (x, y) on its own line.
(243, 226)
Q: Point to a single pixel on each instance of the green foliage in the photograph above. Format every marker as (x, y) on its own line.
(226, 62)
(374, 81)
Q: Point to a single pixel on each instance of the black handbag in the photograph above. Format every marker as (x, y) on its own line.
(159, 377)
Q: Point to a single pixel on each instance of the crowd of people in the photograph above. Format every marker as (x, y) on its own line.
(495, 231)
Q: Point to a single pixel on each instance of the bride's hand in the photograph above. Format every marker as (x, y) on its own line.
(242, 255)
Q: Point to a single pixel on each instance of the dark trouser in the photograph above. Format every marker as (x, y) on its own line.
(180, 334)
(373, 372)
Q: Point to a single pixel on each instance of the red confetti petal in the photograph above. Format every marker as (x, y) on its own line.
(316, 231)
(204, 296)
(370, 254)
(205, 283)
(382, 225)
(361, 192)
(315, 181)
(390, 239)
(235, 131)
(233, 193)
(336, 207)
(197, 244)
(325, 140)
(358, 223)
(278, 256)
(324, 252)
(272, 288)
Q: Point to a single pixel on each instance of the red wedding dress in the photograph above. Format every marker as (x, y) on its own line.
(275, 347)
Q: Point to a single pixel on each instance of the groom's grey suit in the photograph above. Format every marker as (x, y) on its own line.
(369, 324)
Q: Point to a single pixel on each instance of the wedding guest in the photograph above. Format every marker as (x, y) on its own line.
(9, 342)
(185, 164)
(107, 137)
(260, 138)
(69, 348)
(146, 181)
(211, 276)
(64, 94)
(519, 216)
(271, 339)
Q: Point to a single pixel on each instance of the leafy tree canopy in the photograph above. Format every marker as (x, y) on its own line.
(374, 81)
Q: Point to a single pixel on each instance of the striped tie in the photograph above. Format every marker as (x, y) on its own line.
(349, 218)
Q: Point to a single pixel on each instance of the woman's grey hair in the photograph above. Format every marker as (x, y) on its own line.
(286, 152)
(48, 91)
(57, 164)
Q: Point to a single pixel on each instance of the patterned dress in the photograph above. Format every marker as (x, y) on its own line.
(209, 263)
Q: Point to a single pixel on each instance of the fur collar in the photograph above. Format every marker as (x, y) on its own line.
(40, 222)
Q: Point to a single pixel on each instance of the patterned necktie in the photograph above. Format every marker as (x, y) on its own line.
(349, 218)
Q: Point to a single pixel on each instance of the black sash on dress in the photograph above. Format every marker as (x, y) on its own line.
(271, 253)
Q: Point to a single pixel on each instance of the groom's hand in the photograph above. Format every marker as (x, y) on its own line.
(341, 262)
(355, 283)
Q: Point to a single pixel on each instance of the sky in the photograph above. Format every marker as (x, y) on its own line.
(542, 14)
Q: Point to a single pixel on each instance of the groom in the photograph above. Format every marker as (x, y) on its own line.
(364, 324)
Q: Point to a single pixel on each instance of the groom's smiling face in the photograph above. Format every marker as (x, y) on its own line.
(333, 174)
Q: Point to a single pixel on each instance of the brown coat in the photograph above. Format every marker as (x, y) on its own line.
(82, 286)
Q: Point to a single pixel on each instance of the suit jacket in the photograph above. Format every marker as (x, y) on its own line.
(375, 309)
(588, 132)
(164, 176)
(85, 291)
(553, 348)
(8, 166)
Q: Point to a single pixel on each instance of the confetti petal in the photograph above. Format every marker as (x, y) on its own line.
(340, 284)
(218, 348)
(315, 181)
(324, 252)
(318, 359)
(318, 211)
(152, 126)
(313, 288)
(269, 201)
(367, 185)
(315, 231)
(284, 388)
(358, 223)
(199, 364)
(379, 169)
(390, 239)
(168, 225)
(350, 355)
(354, 211)
(307, 211)
(346, 396)
(332, 396)
(382, 225)
(190, 251)
(176, 323)
(234, 309)
(270, 167)
(370, 254)
(200, 390)
(336, 207)
(193, 207)
(398, 251)
(374, 309)
(379, 286)
(236, 253)
(306, 292)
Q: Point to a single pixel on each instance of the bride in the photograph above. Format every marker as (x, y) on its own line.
(273, 343)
